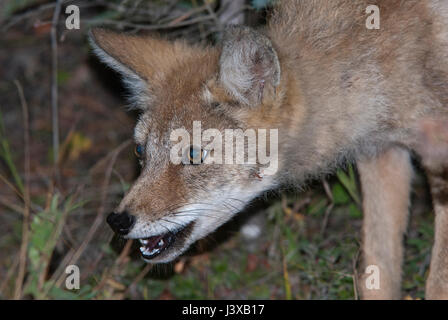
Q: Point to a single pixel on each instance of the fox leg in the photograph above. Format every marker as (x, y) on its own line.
(437, 282)
(432, 146)
(385, 182)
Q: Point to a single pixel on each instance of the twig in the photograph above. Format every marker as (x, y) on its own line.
(329, 208)
(138, 278)
(99, 216)
(355, 275)
(124, 253)
(426, 263)
(11, 205)
(26, 211)
(232, 12)
(27, 14)
(212, 13)
(9, 274)
(287, 283)
(134, 7)
(298, 205)
(17, 192)
(188, 14)
(11, 186)
(54, 85)
(109, 273)
(122, 24)
(62, 265)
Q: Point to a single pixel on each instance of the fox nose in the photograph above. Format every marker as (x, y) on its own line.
(121, 223)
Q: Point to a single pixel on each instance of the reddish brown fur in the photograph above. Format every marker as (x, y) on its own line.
(345, 93)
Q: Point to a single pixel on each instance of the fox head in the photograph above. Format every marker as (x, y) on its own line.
(235, 85)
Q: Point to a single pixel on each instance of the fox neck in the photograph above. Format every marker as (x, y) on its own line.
(313, 139)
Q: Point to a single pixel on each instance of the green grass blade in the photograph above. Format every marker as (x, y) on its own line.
(349, 183)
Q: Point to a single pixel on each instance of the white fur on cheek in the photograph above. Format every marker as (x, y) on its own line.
(207, 96)
(228, 202)
(145, 229)
(208, 214)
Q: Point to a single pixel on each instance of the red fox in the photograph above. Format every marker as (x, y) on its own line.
(334, 90)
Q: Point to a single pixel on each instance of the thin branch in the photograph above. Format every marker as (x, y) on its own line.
(26, 211)
(54, 84)
(100, 213)
(138, 278)
(27, 14)
(355, 274)
(9, 275)
(232, 12)
(329, 207)
(11, 205)
(36, 11)
(126, 24)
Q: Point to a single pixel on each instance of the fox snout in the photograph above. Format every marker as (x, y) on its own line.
(121, 223)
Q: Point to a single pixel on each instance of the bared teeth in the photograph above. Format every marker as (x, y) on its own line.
(153, 246)
(148, 252)
(143, 241)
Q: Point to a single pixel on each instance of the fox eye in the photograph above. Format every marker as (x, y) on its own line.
(138, 150)
(195, 154)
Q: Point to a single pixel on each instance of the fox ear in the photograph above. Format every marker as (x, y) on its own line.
(121, 53)
(144, 62)
(249, 65)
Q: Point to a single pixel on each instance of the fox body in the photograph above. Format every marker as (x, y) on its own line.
(335, 90)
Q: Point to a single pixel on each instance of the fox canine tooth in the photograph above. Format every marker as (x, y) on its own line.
(143, 241)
